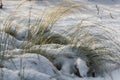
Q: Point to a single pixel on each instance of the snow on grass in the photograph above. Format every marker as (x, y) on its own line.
(100, 17)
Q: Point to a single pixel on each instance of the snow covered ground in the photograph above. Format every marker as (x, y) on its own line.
(100, 17)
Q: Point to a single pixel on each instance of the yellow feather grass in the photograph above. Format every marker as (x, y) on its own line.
(49, 18)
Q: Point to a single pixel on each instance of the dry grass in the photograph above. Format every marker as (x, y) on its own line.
(47, 21)
(40, 34)
(98, 48)
(40, 29)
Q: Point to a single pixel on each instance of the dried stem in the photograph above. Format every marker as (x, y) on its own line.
(1, 4)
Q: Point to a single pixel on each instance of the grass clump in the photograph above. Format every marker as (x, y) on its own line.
(101, 50)
(42, 26)
(40, 30)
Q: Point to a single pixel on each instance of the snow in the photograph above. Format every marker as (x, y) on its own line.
(100, 17)
(82, 66)
(30, 61)
(6, 74)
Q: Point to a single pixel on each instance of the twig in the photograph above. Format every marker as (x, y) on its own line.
(1, 4)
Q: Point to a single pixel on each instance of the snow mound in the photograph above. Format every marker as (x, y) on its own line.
(30, 61)
(6, 74)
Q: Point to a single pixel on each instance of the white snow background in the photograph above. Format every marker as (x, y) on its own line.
(32, 66)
